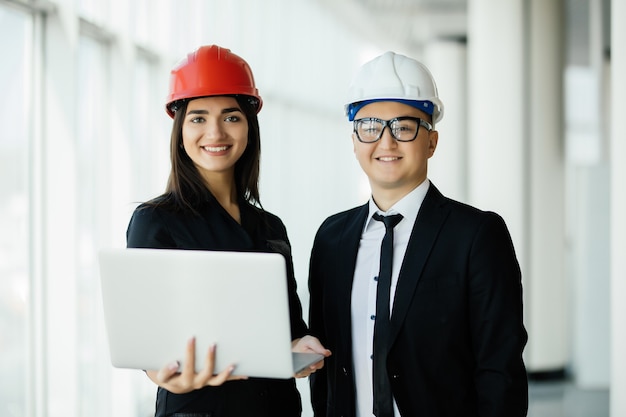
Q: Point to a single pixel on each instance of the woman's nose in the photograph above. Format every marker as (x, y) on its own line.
(214, 129)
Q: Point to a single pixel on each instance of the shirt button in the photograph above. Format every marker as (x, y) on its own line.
(376, 278)
(371, 356)
(373, 317)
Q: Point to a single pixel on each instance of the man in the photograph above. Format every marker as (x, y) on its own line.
(442, 334)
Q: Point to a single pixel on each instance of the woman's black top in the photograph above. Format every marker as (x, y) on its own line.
(160, 225)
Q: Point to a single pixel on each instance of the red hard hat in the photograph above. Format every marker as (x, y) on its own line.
(211, 71)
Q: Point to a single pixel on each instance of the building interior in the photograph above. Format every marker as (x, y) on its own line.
(533, 130)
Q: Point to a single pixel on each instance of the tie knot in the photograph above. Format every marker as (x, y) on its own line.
(389, 221)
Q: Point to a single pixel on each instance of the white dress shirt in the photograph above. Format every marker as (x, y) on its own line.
(364, 287)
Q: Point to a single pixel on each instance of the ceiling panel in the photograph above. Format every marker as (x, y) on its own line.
(411, 22)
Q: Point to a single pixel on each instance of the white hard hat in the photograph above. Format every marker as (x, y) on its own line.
(394, 77)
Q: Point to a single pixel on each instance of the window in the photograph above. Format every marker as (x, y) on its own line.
(15, 158)
(92, 136)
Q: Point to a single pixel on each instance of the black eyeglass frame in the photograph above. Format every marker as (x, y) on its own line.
(387, 123)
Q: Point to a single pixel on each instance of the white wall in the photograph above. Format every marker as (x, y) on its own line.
(98, 156)
(587, 211)
(513, 154)
(448, 168)
(618, 208)
(303, 53)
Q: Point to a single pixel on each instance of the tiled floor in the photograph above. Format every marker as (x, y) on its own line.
(546, 399)
(564, 399)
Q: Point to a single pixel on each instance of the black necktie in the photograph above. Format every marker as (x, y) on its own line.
(383, 400)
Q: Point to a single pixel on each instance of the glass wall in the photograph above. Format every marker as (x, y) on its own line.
(15, 161)
(92, 117)
(86, 138)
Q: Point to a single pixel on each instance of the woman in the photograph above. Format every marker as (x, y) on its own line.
(212, 203)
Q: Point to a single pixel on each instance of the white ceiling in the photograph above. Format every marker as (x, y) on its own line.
(411, 22)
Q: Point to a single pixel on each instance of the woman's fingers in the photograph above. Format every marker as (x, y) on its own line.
(207, 375)
(222, 377)
(310, 369)
(185, 379)
(188, 373)
(310, 344)
(164, 374)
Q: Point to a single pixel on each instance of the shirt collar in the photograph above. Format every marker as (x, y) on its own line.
(408, 205)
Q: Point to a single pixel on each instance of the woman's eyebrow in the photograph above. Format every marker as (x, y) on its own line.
(198, 112)
(231, 109)
(224, 111)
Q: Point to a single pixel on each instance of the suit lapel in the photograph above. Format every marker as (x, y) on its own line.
(430, 218)
(346, 254)
(348, 244)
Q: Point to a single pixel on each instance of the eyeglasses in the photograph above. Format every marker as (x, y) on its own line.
(403, 129)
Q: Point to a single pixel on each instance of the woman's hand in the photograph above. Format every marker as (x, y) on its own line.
(189, 380)
(310, 344)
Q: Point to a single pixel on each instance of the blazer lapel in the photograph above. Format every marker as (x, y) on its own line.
(430, 218)
(346, 253)
(348, 247)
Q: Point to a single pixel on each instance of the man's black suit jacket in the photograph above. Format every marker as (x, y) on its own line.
(457, 332)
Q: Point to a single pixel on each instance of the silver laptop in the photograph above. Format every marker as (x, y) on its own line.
(155, 300)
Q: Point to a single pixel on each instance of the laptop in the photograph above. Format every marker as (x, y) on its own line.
(155, 300)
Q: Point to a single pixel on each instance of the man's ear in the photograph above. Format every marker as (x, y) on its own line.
(433, 139)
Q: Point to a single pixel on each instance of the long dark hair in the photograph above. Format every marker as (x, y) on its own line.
(186, 187)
